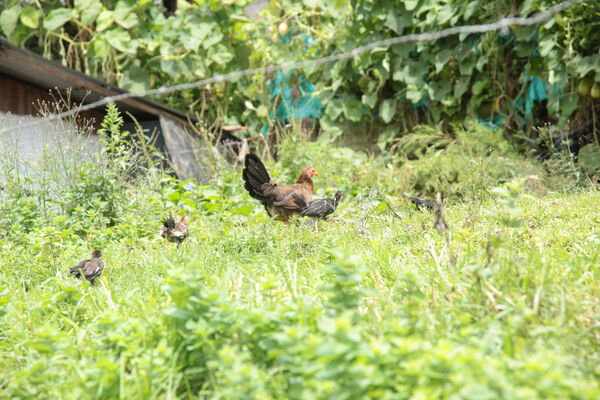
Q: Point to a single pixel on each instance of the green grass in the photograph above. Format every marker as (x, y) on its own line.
(369, 306)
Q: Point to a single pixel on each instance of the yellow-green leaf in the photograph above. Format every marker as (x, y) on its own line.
(387, 110)
(57, 18)
(30, 17)
(126, 16)
(9, 18)
(104, 21)
(89, 10)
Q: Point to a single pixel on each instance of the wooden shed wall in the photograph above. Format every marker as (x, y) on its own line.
(20, 98)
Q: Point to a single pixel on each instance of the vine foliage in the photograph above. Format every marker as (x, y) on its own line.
(516, 79)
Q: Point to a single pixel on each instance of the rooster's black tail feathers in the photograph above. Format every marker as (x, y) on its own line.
(255, 175)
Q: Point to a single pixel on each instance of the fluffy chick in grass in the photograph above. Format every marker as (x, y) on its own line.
(174, 232)
(89, 269)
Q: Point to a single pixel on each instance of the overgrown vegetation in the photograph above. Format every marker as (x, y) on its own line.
(369, 306)
(517, 79)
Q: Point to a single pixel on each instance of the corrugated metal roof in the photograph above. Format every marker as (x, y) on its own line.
(46, 74)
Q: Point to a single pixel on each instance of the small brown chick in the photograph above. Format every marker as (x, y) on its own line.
(174, 232)
(90, 269)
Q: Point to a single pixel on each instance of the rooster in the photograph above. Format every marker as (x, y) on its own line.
(174, 232)
(90, 269)
(278, 200)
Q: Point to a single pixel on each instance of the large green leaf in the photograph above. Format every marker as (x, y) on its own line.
(334, 109)
(441, 59)
(546, 45)
(212, 38)
(198, 66)
(411, 4)
(352, 109)
(568, 104)
(190, 42)
(98, 47)
(120, 40)
(135, 79)
(413, 93)
(30, 17)
(170, 67)
(581, 66)
(470, 9)
(446, 13)
(461, 86)
(369, 99)
(589, 158)
(439, 90)
(57, 18)
(411, 73)
(220, 54)
(89, 10)
(126, 17)
(9, 19)
(200, 31)
(104, 21)
(467, 65)
(398, 19)
(196, 35)
(387, 110)
(82, 5)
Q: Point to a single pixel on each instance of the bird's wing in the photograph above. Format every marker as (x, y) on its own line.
(180, 231)
(319, 208)
(285, 196)
(92, 269)
(299, 200)
(75, 270)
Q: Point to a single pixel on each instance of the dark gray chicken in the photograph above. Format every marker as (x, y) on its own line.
(318, 208)
(89, 269)
(424, 203)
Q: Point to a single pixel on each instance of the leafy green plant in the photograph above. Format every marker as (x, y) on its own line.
(508, 196)
(77, 186)
(468, 160)
(251, 307)
(514, 79)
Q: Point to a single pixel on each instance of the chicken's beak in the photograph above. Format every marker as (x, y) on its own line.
(316, 173)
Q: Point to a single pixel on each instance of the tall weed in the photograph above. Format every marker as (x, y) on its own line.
(472, 159)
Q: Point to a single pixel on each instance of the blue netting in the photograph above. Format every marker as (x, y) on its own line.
(304, 104)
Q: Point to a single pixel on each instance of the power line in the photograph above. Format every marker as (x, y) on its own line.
(500, 25)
